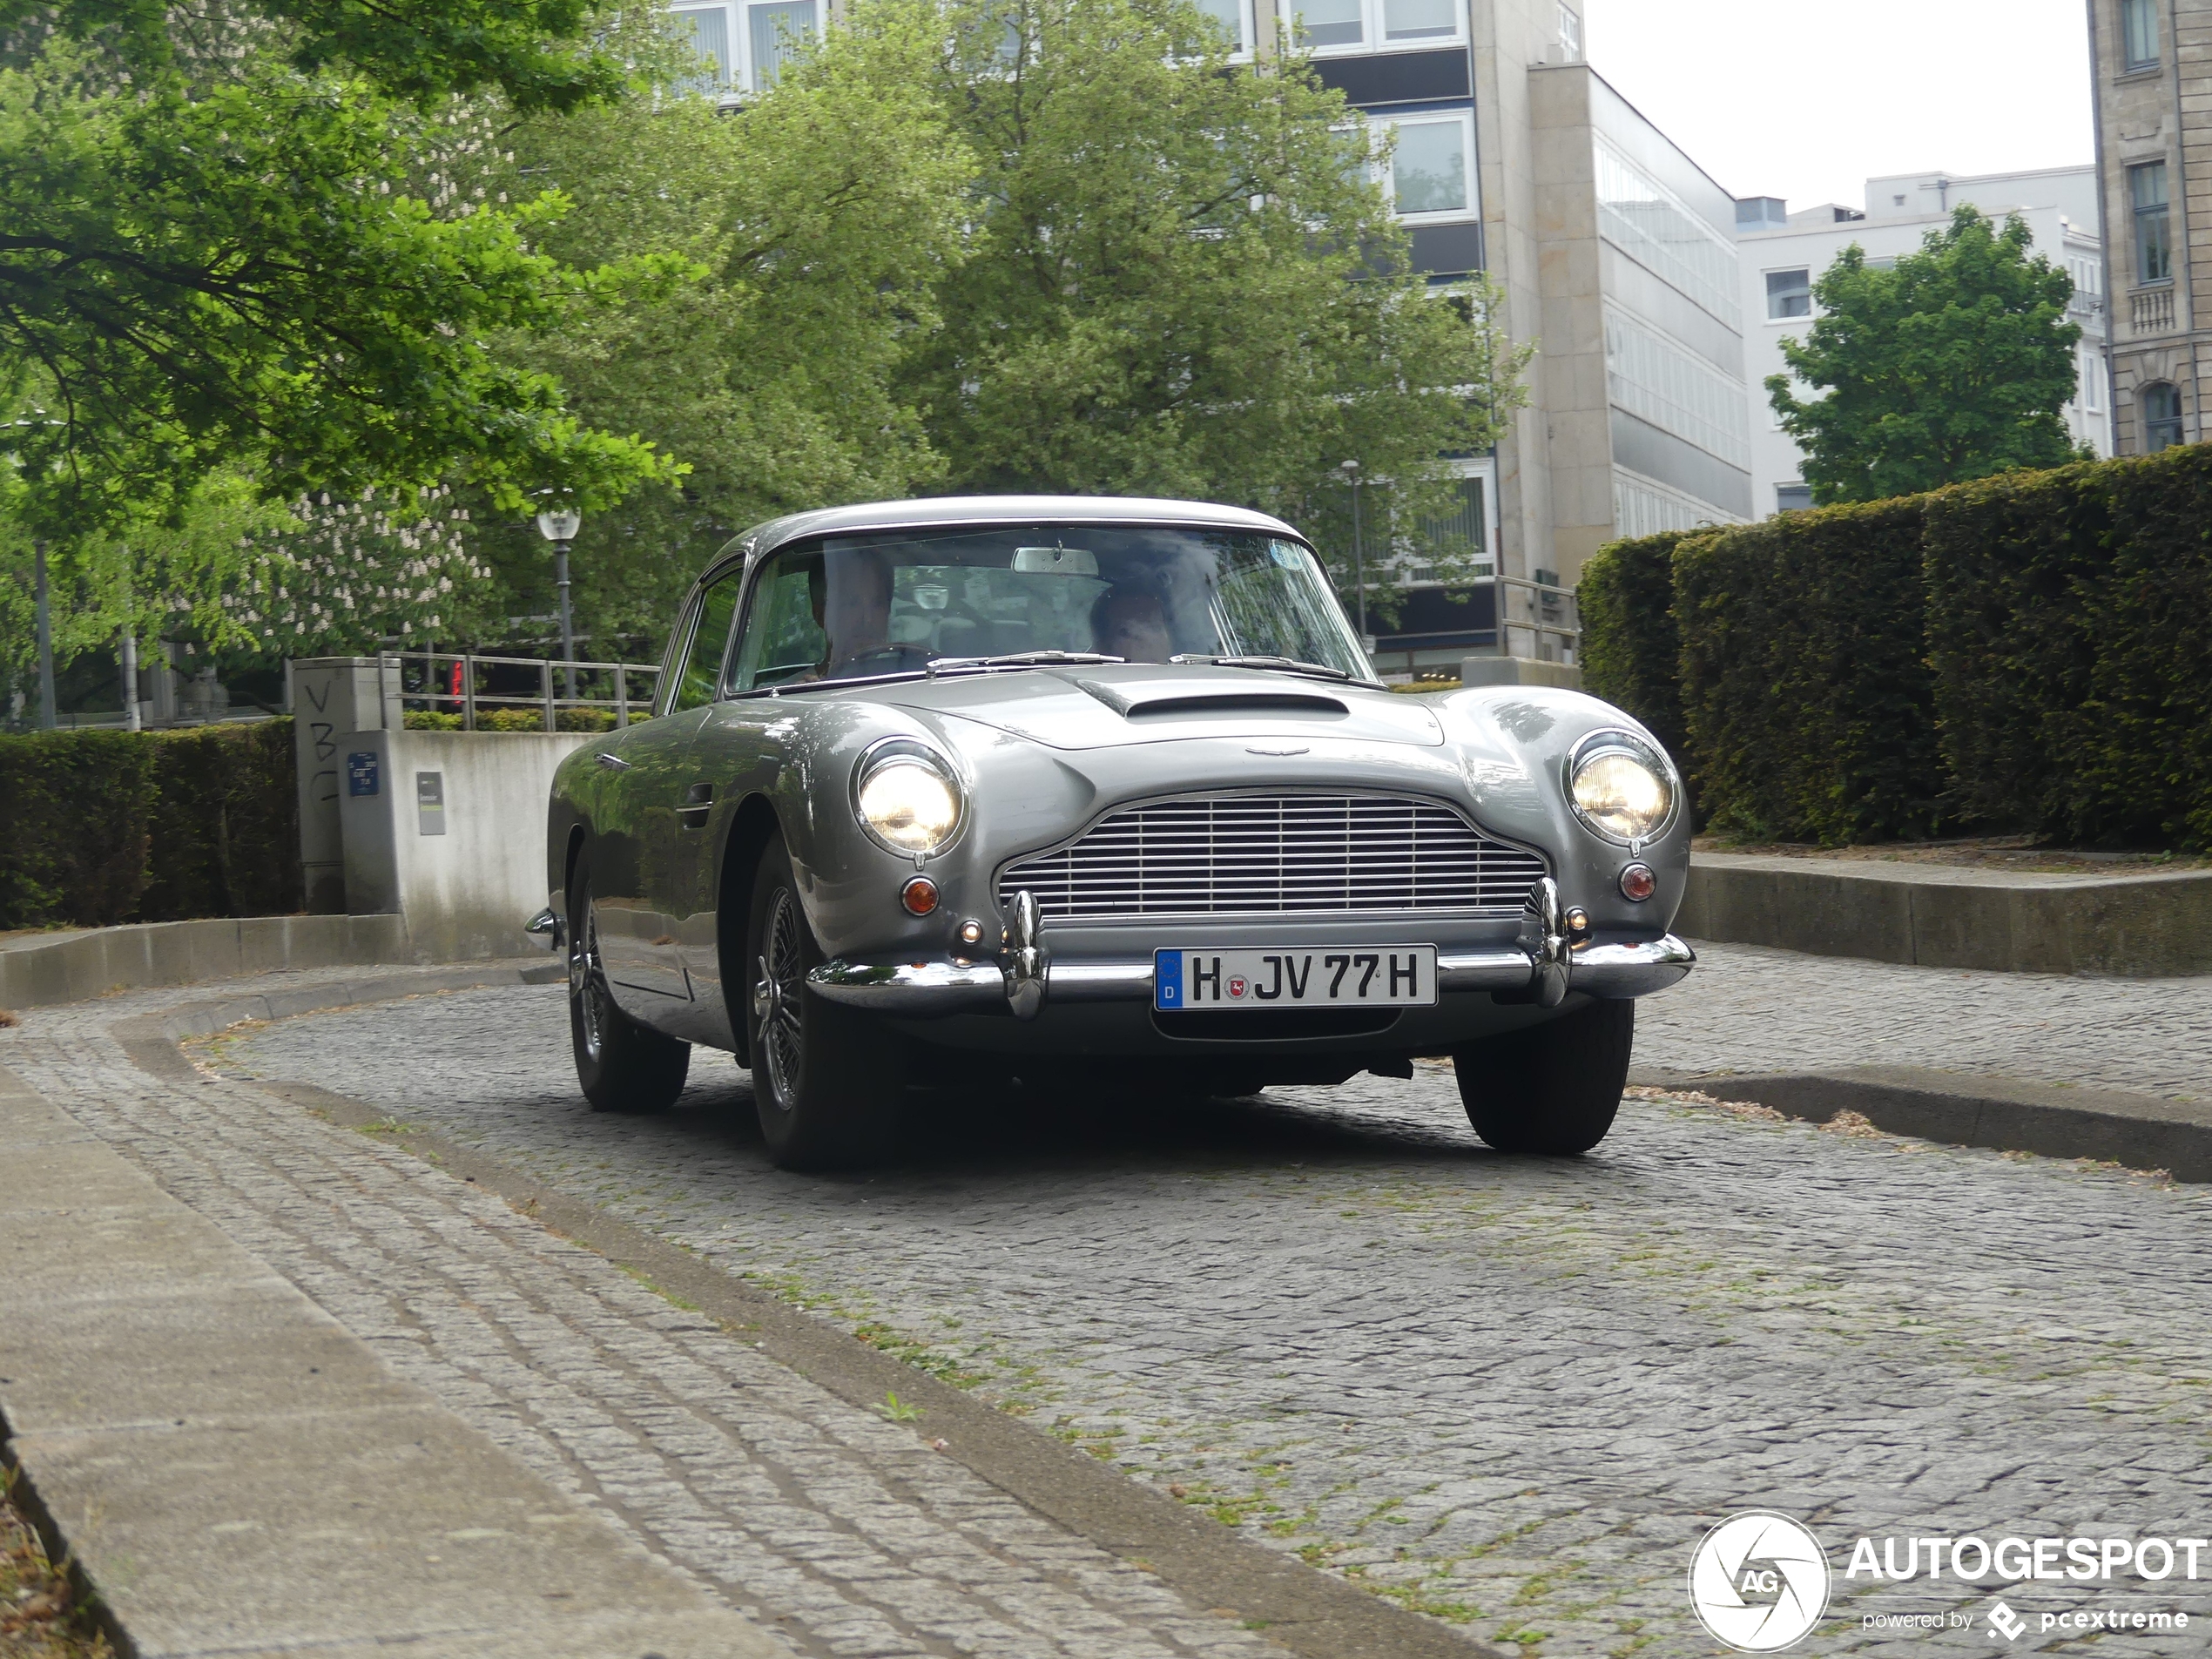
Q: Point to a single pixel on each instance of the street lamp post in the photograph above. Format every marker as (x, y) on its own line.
(1351, 470)
(47, 717)
(559, 525)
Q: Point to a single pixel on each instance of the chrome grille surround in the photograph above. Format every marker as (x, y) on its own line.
(1276, 853)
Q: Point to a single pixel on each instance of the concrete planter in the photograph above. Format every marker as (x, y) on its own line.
(2136, 926)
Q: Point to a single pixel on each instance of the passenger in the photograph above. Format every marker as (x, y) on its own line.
(1131, 624)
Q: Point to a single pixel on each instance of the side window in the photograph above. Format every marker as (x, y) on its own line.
(701, 676)
(783, 631)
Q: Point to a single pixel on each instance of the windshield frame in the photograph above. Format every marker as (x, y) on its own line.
(760, 559)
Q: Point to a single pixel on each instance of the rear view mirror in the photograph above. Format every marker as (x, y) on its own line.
(1055, 561)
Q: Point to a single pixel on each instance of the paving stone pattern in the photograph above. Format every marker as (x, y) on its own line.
(843, 1534)
(1748, 1009)
(1513, 1394)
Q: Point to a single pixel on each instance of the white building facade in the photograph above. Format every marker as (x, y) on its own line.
(1783, 254)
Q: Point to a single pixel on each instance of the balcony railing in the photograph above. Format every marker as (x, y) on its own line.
(594, 695)
(2151, 311)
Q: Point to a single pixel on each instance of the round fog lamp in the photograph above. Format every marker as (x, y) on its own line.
(1638, 883)
(918, 895)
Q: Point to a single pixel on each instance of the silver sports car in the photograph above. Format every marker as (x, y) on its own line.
(941, 792)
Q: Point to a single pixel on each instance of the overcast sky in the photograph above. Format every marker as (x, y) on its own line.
(1810, 99)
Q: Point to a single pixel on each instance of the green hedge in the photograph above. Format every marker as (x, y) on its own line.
(103, 828)
(2073, 620)
(2032, 653)
(1806, 692)
(1631, 648)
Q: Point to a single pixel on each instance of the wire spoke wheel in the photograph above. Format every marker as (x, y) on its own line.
(588, 984)
(777, 998)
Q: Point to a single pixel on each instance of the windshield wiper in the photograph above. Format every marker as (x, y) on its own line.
(1024, 660)
(1280, 664)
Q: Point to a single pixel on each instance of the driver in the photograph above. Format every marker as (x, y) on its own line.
(1131, 624)
(850, 591)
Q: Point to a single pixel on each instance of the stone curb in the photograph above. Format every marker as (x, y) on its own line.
(2140, 927)
(228, 1470)
(36, 973)
(1308, 1611)
(2007, 1114)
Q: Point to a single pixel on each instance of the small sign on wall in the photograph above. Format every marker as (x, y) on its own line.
(430, 803)
(361, 772)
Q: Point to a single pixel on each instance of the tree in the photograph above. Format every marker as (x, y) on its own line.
(817, 220)
(1180, 278)
(207, 260)
(1951, 365)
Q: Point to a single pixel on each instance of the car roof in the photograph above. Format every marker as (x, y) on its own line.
(935, 512)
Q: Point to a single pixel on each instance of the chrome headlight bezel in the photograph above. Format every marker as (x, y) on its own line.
(892, 753)
(1618, 741)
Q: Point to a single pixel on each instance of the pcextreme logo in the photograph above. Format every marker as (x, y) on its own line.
(1759, 1581)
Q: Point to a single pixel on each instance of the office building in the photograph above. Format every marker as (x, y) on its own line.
(1785, 254)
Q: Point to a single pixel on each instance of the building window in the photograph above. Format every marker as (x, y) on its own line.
(1665, 235)
(1793, 498)
(1657, 381)
(2092, 383)
(1789, 294)
(2139, 33)
(1429, 169)
(1230, 15)
(748, 56)
(1348, 25)
(2154, 222)
(1571, 35)
(2161, 403)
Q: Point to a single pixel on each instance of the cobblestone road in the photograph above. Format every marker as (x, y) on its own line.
(1513, 1393)
(842, 1533)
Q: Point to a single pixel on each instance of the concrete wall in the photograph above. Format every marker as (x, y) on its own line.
(468, 870)
(38, 972)
(2129, 926)
(332, 695)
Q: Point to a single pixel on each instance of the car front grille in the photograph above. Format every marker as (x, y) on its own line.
(1291, 854)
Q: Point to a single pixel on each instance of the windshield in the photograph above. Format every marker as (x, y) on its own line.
(854, 606)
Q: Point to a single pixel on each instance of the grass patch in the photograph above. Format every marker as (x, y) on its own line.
(41, 1616)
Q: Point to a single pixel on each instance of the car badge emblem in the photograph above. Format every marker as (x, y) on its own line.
(1278, 752)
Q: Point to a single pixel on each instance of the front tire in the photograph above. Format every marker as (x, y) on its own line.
(827, 1081)
(624, 1067)
(1551, 1090)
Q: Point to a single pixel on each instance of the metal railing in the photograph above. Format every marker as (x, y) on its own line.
(471, 686)
(1548, 615)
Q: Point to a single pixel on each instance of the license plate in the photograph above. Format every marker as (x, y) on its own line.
(1400, 976)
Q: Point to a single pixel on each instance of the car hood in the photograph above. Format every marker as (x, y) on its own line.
(1112, 705)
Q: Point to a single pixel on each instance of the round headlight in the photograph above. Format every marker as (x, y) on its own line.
(1622, 793)
(908, 805)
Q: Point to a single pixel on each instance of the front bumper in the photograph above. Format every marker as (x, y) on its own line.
(935, 990)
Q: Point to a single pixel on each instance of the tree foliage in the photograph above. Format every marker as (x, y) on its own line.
(1182, 279)
(818, 222)
(1951, 365)
(209, 258)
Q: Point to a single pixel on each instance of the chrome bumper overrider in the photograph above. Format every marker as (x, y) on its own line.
(1026, 977)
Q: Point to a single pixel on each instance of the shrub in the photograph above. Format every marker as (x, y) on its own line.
(514, 719)
(225, 838)
(73, 844)
(430, 720)
(110, 826)
(1807, 697)
(2070, 614)
(1631, 648)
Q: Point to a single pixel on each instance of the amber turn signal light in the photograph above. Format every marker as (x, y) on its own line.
(1637, 882)
(918, 895)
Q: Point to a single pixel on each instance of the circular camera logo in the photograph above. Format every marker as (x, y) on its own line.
(1759, 1581)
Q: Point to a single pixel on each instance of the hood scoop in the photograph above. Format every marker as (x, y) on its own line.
(1221, 704)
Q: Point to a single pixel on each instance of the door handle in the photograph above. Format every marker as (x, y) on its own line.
(698, 804)
(613, 763)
